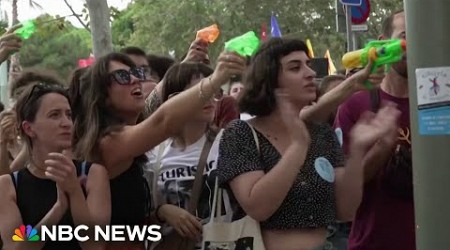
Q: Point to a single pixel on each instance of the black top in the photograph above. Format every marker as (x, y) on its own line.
(36, 196)
(129, 197)
(311, 201)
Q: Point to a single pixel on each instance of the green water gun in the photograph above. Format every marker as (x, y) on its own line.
(27, 29)
(381, 53)
(245, 45)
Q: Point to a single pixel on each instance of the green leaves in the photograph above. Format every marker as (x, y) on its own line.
(56, 45)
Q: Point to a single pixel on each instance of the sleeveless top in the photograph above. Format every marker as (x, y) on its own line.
(130, 203)
(36, 196)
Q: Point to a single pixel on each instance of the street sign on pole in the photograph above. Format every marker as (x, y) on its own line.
(360, 27)
(361, 12)
(349, 5)
(348, 16)
(341, 19)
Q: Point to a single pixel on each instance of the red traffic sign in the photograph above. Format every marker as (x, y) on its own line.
(361, 13)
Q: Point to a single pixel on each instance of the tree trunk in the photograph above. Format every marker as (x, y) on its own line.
(100, 27)
(14, 67)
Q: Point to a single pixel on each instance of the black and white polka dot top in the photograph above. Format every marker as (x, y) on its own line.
(311, 201)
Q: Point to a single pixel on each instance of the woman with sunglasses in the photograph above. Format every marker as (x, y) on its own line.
(53, 189)
(113, 100)
(177, 161)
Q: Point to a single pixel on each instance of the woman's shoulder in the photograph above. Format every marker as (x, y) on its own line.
(7, 186)
(317, 128)
(85, 168)
(238, 127)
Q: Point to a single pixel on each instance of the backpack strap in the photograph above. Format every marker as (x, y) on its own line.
(255, 137)
(198, 181)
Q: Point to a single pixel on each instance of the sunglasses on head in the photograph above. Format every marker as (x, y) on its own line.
(40, 89)
(123, 77)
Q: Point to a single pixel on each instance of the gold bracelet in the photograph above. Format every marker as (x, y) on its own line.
(201, 94)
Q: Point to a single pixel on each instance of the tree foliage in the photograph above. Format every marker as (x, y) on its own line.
(56, 45)
(160, 26)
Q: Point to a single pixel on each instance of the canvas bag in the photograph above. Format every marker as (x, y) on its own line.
(244, 233)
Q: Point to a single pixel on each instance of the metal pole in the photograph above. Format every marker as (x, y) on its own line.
(428, 40)
(348, 13)
(355, 41)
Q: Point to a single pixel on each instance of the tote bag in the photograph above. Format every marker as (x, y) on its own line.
(220, 234)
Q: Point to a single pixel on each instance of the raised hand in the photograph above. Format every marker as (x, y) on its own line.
(9, 43)
(62, 170)
(198, 52)
(372, 128)
(359, 78)
(186, 224)
(228, 65)
(8, 127)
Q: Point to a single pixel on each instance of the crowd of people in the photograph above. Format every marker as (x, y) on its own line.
(121, 142)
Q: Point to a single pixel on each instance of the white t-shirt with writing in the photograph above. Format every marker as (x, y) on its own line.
(177, 173)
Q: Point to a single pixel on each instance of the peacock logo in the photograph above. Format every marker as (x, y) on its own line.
(27, 233)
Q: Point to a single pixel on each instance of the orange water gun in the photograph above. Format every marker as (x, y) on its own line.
(209, 34)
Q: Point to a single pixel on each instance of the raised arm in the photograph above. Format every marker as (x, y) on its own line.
(9, 43)
(260, 194)
(363, 139)
(167, 120)
(7, 137)
(85, 211)
(21, 160)
(11, 218)
(321, 111)
(198, 52)
(4, 157)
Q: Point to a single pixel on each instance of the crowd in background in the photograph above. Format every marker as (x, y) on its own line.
(319, 166)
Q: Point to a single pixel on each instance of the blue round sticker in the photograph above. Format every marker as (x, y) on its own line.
(340, 135)
(324, 169)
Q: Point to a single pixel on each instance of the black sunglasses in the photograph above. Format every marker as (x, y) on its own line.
(123, 77)
(41, 89)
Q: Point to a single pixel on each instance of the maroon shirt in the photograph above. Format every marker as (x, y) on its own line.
(226, 111)
(382, 222)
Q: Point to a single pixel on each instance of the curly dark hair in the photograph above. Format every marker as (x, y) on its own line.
(261, 78)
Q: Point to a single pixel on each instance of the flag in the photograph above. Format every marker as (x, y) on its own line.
(263, 32)
(275, 30)
(83, 63)
(331, 67)
(310, 49)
